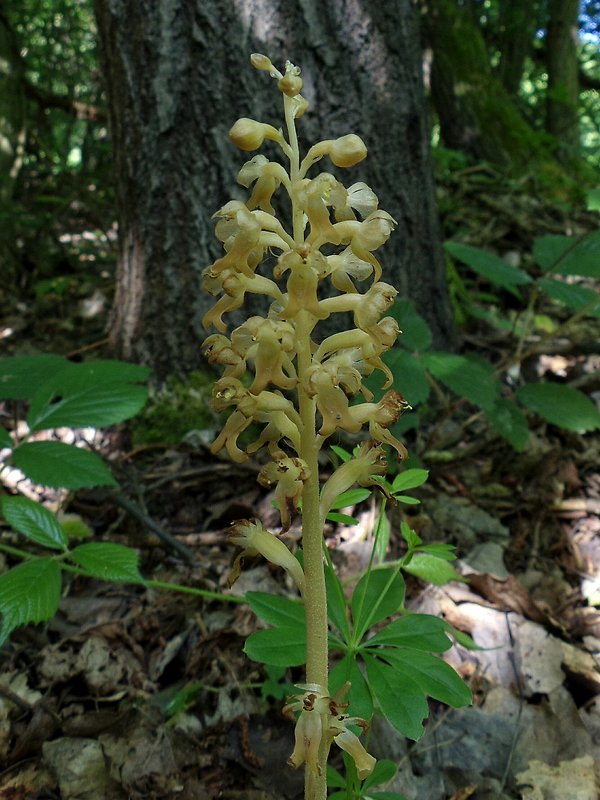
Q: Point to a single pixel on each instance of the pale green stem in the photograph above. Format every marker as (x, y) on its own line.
(315, 598)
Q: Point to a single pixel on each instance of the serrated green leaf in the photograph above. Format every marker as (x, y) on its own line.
(434, 677)
(29, 593)
(432, 569)
(276, 610)
(489, 266)
(108, 561)
(5, 439)
(383, 772)
(572, 295)
(359, 696)
(569, 255)
(409, 479)
(561, 405)
(34, 521)
(21, 377)
(467, 378)
(378, 594)
(416, 334)
(94, 406)
(417, 631)
(399, 697)
(61, 465)
(510, 422)
(281, 646)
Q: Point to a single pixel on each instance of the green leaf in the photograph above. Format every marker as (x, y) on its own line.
(21, 377)
(399, 697)
(494, 269)
(418, 631)
(569, 255)
(432, 569)
(344, 519)
(410, 376)
(34, 521)
(409, 479)
(359, 696)
(5, 438)
(572, 295)
(61, 465)
(342, 454)
(408, 501)
(282, 646)
(336, 602)
(561, 405)
(593, 199)
(94, 406)
(432, 674)
(510, 422)
(383, 772)
(108, 561)
(335, 781)
(373, 599)
(467, 378)
(440, 550)
(416, 333)
(276, 610)
(351, 498)
(29, 593)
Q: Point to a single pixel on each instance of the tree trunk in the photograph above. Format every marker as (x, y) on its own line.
(177, 76)
(562, 119)
(518, 23)
(475, 111)
(12, 137)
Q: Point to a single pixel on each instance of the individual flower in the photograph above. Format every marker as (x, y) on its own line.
(302, 283)
(322, 382)
(344, 152)
(380, 416)
(289, 475)
(319, 723)
(267, 177)
(346, 265)
(366, 236)
(255, 540)
(362, 469)
(269, 343)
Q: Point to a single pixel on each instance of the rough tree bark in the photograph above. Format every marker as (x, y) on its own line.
(177, 77)
(562, 119)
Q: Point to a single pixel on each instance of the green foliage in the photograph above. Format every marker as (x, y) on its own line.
(175, 410)
(382, 774)
(63, 394)
(475, 380)
(393, 670)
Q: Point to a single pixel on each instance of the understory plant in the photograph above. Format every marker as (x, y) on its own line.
(303, 389)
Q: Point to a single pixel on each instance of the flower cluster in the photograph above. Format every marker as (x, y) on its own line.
(341, 229)
(300, 390)
(321, 722)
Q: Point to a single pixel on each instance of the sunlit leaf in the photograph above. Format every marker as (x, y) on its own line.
(61, 465)
(561, 405)
(108, 561)
(399, 697)
(34, 521)
(29, 593)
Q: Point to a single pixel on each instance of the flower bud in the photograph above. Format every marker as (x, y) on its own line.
(347, 150)
(248, 134)
(290, 85)
(259, 61)
(256, 540)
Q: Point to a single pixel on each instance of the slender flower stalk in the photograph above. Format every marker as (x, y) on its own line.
(300, 390)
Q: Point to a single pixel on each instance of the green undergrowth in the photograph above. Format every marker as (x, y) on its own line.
(176, 409)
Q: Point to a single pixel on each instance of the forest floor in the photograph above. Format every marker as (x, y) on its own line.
(132, 692)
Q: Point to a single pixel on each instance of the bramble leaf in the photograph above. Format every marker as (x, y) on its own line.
(61, 465)
(34, 521)
(561, 405)
(29, 592)
(108, 561)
